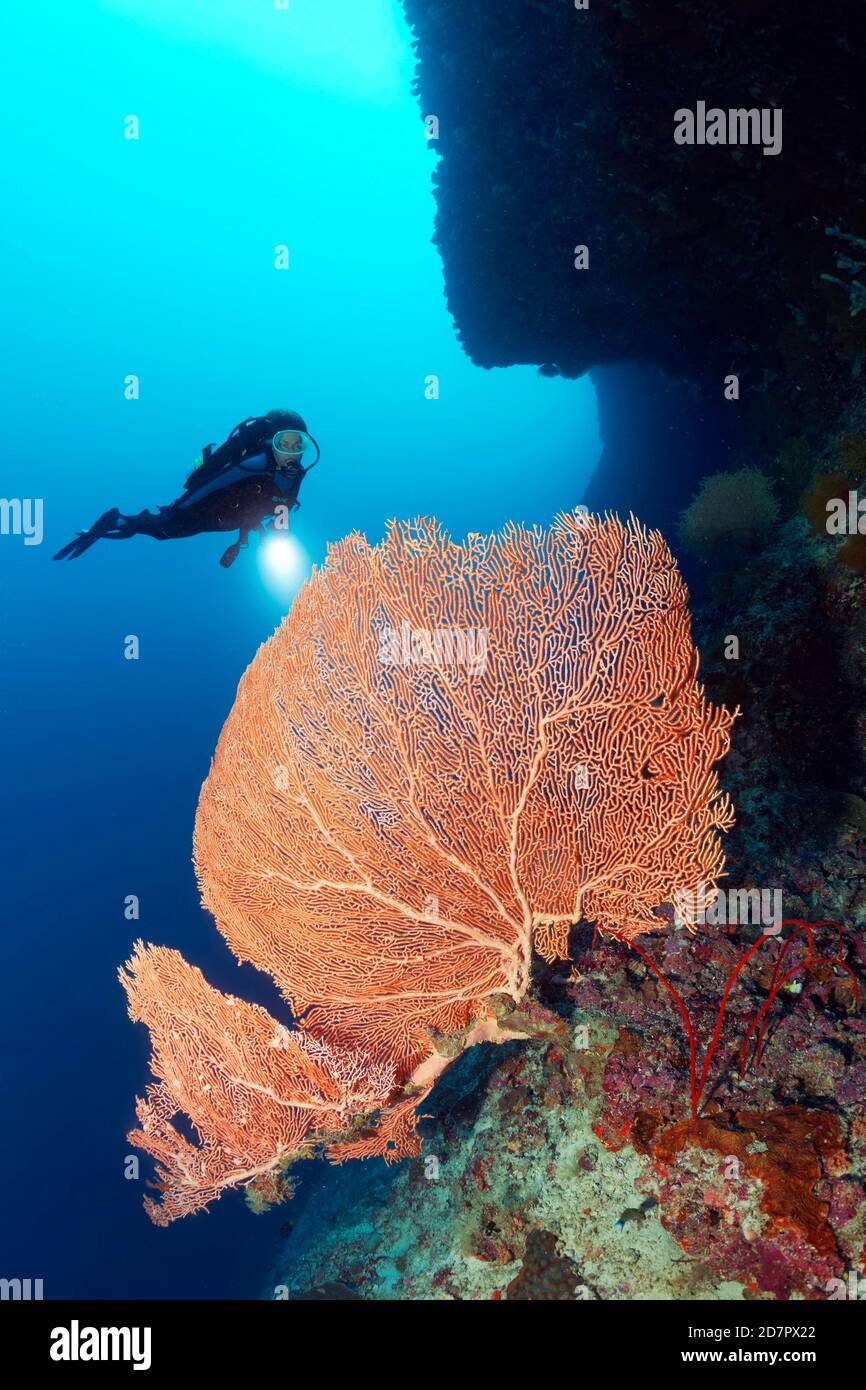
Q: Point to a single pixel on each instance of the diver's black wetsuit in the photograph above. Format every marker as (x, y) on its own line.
(240, 498)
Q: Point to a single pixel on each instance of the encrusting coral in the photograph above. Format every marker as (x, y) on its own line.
(446, 755)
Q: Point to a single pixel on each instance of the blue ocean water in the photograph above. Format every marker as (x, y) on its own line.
(154, 257)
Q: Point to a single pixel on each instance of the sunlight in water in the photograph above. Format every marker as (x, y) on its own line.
(357, 51)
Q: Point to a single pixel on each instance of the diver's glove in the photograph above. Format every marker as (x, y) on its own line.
(229, 556)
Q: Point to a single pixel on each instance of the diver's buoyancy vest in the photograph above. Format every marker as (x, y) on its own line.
(284, 483)
(245, 440)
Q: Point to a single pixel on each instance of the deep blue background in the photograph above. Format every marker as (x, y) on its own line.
(155, 257)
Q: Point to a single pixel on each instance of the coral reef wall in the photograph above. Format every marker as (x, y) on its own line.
(573, 1169)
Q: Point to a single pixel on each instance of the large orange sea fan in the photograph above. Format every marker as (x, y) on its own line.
(445, 755)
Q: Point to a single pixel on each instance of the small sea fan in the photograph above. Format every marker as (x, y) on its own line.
(730, 509)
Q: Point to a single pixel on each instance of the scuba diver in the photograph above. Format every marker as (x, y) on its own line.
(238, 486)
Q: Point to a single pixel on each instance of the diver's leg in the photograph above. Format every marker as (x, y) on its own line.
(85, 539)
(169, 523)
(142, 524)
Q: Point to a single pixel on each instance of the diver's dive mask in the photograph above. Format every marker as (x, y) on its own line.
(290, 446)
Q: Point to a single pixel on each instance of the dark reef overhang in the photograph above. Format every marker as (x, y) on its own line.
(556, 128)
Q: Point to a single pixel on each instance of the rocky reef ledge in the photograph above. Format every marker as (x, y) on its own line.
(555, 129)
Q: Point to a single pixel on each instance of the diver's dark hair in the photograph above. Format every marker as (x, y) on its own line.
(285, 420)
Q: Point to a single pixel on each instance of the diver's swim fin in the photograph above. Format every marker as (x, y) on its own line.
(85, 539)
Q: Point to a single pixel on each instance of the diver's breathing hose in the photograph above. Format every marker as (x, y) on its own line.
(315, 444)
